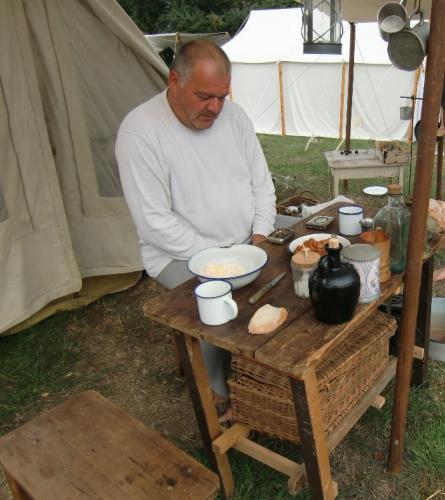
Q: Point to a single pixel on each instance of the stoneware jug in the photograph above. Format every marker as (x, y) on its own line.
(334, 288)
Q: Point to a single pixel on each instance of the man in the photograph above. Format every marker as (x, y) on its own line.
(193, 174)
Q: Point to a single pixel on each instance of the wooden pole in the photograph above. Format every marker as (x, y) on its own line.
(350, 92)
(280, 81)
(342, 101)
(414, 93)
(350, 86)
(422, 185)
(439, 168)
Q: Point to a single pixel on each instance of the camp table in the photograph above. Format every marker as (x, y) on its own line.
(360, 164)
(289, 352)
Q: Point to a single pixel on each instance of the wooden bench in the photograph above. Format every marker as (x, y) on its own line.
(89, 448)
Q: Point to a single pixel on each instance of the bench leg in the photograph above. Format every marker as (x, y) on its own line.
(312, 435)
(18, 493)
(195, 371)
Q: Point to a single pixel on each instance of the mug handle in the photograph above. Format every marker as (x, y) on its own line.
(413, 13)
(232, 307)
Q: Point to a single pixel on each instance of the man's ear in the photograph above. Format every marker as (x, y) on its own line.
(173, 78)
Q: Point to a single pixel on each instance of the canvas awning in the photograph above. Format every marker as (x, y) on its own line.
(366, 11)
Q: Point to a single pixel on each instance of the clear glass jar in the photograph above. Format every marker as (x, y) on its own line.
(302, 265)
(394, 220)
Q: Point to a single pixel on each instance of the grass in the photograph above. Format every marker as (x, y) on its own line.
(45, 364)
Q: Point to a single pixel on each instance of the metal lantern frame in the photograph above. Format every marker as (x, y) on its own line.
(323, 39)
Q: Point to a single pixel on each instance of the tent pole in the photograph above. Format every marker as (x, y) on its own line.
(422, 185)
(280, 81)
(350, 86)
(350, 91)
(439, 168)
(342, 101)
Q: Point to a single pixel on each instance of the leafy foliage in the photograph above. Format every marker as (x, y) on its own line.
(195, 16)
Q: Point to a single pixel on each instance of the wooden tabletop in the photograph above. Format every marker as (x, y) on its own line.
(364, 158)
(293, 348)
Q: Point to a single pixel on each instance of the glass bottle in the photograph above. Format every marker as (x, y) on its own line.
(394, 219)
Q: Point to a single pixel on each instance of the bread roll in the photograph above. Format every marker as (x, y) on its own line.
(266, 319)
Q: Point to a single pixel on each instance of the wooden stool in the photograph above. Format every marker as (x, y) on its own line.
(89, 448)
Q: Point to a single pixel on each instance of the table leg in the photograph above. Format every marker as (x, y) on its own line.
(401, 167)
(335, 190)
(312, 434)
(195, 371)
(420, 366)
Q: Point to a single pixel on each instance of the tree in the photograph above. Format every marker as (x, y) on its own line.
(195, 16)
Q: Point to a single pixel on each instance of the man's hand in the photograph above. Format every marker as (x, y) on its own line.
(257, 239)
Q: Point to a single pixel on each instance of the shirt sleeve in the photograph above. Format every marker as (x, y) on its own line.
(145, 182)
(262, 186)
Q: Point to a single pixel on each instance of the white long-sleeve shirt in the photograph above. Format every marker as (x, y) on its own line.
(189, 190)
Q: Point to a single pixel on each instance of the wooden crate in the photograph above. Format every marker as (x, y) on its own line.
(391, 152)
(261, 397)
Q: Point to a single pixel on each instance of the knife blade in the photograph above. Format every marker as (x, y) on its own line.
(257, 296)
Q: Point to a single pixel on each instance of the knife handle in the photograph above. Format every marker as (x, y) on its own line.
(257, 296)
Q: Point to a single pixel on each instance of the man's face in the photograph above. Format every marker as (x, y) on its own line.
(199, 100)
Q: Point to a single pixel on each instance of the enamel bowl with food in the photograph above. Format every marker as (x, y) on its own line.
(238, 264)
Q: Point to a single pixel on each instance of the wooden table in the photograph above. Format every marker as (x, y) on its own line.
(294, 350)
(364, 165)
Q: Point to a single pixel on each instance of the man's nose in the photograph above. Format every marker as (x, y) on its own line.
(215, 104)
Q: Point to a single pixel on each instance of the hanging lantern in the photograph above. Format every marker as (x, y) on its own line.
(322, 28)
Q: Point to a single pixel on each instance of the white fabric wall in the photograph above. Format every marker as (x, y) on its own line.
(376, 102)
(256, 88)
(312, 98)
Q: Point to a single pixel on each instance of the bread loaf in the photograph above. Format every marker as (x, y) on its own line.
(266, 319)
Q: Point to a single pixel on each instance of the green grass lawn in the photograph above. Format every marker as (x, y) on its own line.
(47, 363)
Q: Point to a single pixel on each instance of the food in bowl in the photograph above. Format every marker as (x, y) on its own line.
(248, 260)
(313, 245)
(222, 270)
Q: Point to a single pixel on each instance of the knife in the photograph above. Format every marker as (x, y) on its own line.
(257, 296)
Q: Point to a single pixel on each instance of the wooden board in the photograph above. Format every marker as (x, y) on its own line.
(89, 448)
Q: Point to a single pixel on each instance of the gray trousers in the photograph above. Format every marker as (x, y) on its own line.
(217, 360)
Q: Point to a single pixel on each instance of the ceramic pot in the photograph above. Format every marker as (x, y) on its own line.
(334, 288)
(366, 261)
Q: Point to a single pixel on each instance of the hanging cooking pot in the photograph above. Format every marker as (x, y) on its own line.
(407, 48)
(418, 131)
(391, 18)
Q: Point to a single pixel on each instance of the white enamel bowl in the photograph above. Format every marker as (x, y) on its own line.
(250, 257)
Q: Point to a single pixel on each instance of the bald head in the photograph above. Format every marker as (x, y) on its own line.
(199, 51)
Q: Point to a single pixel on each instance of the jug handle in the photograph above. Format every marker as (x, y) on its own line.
(403, 2)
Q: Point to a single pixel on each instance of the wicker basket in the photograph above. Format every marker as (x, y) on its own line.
(261, 397)
(304, 198)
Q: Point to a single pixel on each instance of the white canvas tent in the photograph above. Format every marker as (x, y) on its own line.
(161, 41)
(69, 72)
(268, 54)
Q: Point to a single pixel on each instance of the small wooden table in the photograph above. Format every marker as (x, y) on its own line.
(290, 350)
(363, 165)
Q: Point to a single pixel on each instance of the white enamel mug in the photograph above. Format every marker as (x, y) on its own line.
(349, 218)
(215, 303)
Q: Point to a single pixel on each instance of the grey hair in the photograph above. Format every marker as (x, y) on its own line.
(193, 51)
